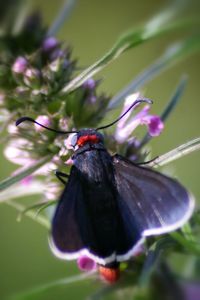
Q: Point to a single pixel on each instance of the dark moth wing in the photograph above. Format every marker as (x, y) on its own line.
(107, 219)
(150, 203)
(87, 220)
(66, 239)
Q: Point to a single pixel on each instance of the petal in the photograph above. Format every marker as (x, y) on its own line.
(155, 125)
(44, 120)
(123, 133)
(86, 264)
(127, 103)
(20, 65)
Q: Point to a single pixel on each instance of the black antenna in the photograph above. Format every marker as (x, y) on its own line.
(145, 100)
(23, 119)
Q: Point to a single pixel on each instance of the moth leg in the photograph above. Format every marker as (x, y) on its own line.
(60, 176)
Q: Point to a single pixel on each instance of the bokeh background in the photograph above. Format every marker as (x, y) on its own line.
(25, 258)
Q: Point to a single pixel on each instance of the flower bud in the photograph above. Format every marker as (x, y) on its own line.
(44, 120)
(85, 263)
(89, 84)
(32, 77)
(20, 65)
(49, 44)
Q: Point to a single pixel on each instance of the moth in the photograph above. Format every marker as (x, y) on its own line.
(110, 204)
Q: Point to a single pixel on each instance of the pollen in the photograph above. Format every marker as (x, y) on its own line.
(93, 139)
(110, 275)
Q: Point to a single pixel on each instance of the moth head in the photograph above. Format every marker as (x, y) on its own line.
(86, 136)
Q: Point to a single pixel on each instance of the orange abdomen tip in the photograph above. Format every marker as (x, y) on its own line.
(110, 275)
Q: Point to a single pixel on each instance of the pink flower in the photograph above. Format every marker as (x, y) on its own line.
(12, 129)
(20, 65)
(32, 73)
(44, 120)
(16, 153)
(125, 126)
(69, 162)
(27, 180)
(154, 123)
(86, 264)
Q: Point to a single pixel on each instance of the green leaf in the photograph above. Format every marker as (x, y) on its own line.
(153, 258)
(180, 151)
(63, 16)
(44, 287)
(26, 172)
(157, 26)
(191, 246)
(173, 54)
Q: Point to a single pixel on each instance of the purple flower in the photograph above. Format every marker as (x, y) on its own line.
(44, 120)
(191, 290)
(154, 123)
(125, 126)
(20, 65)
(49, 44)
(89, 84)
(86, 264)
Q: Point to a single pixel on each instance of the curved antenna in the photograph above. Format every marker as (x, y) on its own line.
(23, 119)
(145, 100)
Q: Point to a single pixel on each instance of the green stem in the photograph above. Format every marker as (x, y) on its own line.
(26, 172)
(182, 150)
(52, 284)
(31, 214)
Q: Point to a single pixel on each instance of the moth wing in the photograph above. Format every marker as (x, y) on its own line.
(66, 239)
(150, 202)
(74, 232)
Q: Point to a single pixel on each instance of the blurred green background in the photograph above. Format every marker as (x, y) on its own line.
(25, 258)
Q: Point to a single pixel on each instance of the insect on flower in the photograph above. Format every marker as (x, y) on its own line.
(110, 205)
